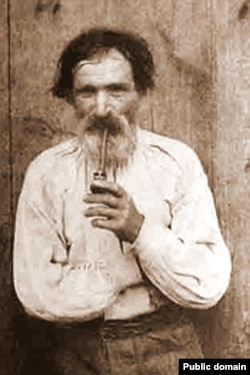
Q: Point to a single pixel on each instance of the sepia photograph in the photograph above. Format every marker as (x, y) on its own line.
(124, 187)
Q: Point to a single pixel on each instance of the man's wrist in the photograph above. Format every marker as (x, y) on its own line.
(136, 228)
(129, 245)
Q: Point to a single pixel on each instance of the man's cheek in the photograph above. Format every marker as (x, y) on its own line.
(83, 107)
(80, 112)
(122, 104)
(130, 112)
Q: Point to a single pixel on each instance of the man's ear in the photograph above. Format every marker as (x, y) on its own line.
(150, 112)
(68, 118)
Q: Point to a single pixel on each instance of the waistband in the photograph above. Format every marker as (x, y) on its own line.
(157, 320)
(116, 329)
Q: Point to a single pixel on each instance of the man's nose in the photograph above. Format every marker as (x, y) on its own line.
(102, 104)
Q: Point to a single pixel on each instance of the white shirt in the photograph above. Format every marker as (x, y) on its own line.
(65, 269)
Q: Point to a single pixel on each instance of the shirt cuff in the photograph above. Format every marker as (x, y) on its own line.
(149, 237)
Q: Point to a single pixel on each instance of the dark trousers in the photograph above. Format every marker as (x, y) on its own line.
(147, 345)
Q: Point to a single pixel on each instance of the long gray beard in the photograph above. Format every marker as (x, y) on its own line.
(121, 141)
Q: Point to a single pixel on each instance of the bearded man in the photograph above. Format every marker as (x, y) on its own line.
(116, 231)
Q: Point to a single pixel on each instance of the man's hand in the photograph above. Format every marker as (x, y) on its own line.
(114, 210)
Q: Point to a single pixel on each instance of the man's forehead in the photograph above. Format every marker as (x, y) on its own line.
(108, 60)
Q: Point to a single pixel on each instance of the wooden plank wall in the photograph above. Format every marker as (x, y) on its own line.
(6, 337)
(231, 165)
(193, 73)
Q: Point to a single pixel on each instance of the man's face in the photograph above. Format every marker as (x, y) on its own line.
(105, 96)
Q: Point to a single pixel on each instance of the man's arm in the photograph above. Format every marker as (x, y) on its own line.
(187, 261)
(46, 284)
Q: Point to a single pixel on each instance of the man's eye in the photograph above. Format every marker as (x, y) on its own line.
(86, 91)
(117, 90)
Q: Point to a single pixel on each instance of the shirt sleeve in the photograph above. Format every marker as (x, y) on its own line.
(46, 284)
(187, 261)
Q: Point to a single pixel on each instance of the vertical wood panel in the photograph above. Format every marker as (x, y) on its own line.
(184, 78)
(232, 152)
(6, 338)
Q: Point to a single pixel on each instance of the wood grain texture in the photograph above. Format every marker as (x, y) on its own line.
(6, 336)
(231, 166)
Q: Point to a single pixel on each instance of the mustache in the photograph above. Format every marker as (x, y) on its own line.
(121, 137)
(110, 121)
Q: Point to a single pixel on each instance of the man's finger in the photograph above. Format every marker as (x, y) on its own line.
(100, 211)
(104, 224)
(108, 186)
(107, 199)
